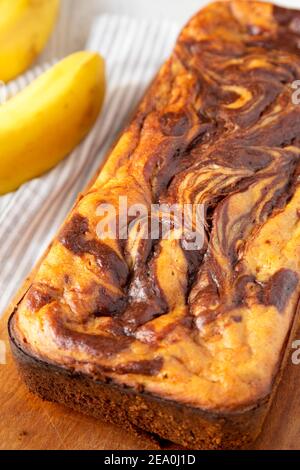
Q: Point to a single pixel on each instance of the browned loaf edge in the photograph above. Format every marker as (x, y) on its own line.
(191, 427)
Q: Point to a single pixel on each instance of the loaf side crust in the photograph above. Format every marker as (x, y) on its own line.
(136, 411)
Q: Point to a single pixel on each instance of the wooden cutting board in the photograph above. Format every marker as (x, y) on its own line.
(29, 423)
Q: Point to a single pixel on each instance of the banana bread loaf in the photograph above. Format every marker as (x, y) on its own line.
(186, 342)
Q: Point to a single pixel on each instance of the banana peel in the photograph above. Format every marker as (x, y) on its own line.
(25, 26)
(45, 121)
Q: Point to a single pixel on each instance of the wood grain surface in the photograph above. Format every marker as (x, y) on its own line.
(29, 423)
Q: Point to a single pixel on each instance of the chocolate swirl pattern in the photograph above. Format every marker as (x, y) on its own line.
(217, 127)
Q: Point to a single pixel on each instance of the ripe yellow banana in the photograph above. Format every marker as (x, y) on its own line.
(25, 26)
(45, 121)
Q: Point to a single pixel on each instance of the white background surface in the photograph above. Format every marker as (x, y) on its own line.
(179, 10)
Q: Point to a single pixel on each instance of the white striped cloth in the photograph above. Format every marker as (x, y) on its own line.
(30, 217)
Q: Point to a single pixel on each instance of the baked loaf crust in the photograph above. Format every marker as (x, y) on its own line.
(186, 344)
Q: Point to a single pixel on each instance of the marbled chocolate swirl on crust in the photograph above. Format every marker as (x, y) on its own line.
(217, 127)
